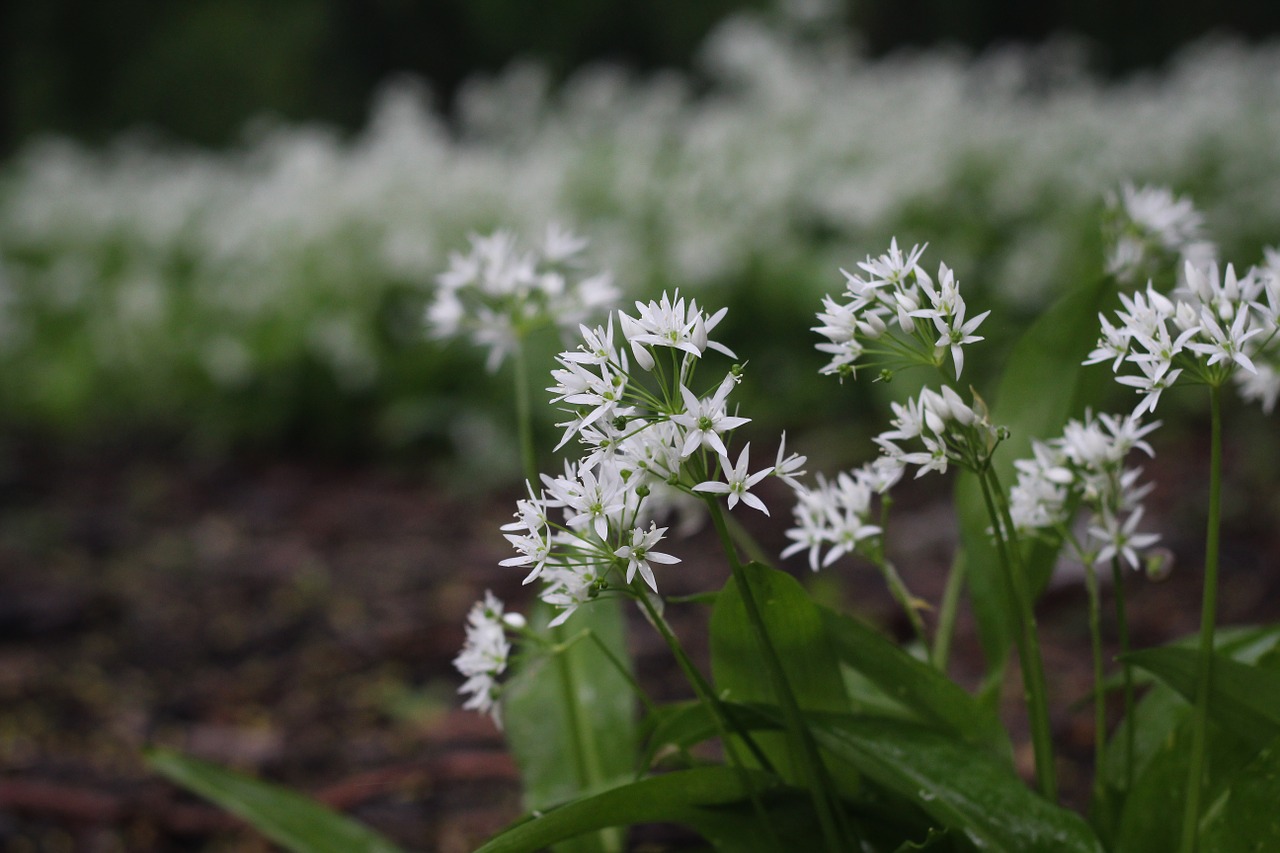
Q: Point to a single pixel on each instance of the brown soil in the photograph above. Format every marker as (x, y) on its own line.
(297, 621)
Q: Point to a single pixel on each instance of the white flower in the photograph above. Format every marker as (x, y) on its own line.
(638, 553)
(484, 655)
(667, 324)
(787, 468)
(1119, 538)
(738, 483)
(705, 419)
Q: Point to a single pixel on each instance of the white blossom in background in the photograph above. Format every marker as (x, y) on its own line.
(1085, 471)
(834, 517)
(499, 291)
(485, 654)
(1217, 325)
(1148, 227)
(893, 315)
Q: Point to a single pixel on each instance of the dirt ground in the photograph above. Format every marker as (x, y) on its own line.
(297, 620)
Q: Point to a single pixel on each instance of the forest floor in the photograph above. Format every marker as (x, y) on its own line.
(297, 620)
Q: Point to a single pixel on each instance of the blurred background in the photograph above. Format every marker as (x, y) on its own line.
(245, 502)
(219, 221)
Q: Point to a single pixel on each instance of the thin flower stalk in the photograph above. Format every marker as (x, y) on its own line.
(1026, 637)
(1122, 634)
(1208, 619)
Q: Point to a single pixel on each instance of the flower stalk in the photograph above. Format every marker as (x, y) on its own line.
(1208, 618)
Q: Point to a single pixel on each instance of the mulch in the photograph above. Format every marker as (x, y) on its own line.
(296, 620)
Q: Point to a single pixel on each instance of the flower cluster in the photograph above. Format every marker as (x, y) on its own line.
(836, 515)
(484, 655)
(647, 441)
(1213, 327)
(498, 291)
(1085, 469)
(893, 313)
(948, 429)
(1148, 225)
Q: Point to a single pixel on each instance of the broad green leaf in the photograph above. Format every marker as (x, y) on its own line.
(288, 818)
(1151, 820)
(961, 786)
(1244, 698)
(912, 683)
(1042, 385)
(562, 751)
(1246, 817)
(796, 630)
(713, 801)
(1157, 717)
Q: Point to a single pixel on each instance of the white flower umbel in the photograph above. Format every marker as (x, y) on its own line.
(484, 655)
(877, 325)
(1085, 469)
(835, 517)
(1214, 328)
(499, 291)
(1148, 227)
(949, 429)
(649, 444)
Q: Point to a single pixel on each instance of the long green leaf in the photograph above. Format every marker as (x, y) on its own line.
(1244, 698)
(565, 752)
(1246, 818)
(710, 800)
(961, 786)
(286, 817)
(912, 683)
(1042, 385)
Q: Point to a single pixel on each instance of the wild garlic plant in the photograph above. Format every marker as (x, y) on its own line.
(1215, 328)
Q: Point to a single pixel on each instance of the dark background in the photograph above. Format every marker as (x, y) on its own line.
(197, 71)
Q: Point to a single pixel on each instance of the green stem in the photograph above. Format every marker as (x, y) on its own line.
(1099, 691)
(1208, 618)
(1035, 690)
(830, 817)
(1122, 630)
(721, 719)
(947, 613)
(898, 589)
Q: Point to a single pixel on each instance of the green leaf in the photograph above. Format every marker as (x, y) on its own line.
(796, 629)
(912, 683)
(1244, 698)
(1042, 385)
(1245, 819)
(288, 818)
(711, 800)
(961, 786)
(562, 751)
(1150, 822)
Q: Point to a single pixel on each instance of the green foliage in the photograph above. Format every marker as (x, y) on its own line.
(291, 820)
(571, 719)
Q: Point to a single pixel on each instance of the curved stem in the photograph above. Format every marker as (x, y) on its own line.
(1208, 618)
(1035, 690)
(947, 613)
(898, 589)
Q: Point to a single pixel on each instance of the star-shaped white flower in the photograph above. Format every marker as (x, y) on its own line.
(638, 553)
(738, 483)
